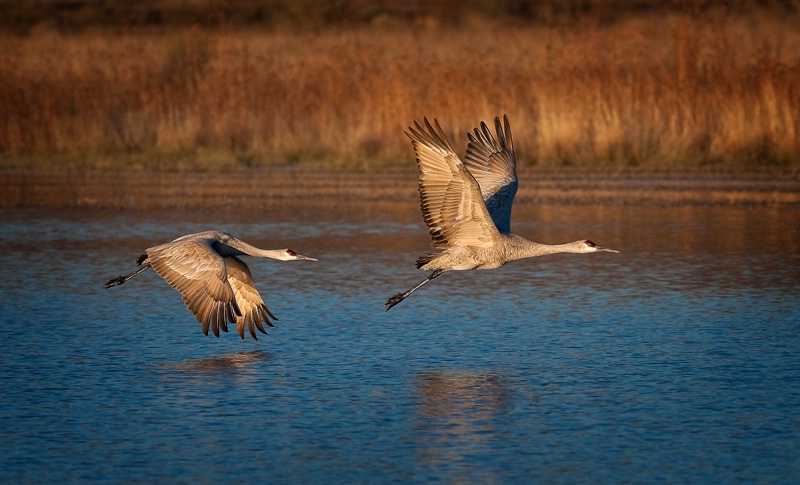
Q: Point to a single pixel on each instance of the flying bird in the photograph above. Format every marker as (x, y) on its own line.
(216, 285)
(467, 205)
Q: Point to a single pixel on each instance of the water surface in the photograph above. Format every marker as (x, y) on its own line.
(677, 360)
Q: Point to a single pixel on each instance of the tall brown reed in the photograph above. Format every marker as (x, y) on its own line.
(676, 91)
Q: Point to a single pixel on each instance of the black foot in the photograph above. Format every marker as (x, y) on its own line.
(116, 281)
(394, 301)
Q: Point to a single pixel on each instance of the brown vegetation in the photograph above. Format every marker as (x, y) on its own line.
(678, 89)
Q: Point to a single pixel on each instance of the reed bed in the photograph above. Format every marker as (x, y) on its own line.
(670, 91)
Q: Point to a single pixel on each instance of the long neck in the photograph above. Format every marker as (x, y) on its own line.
(520, 248)
(237, 247)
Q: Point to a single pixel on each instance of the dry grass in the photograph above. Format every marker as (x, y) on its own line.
(668, 91)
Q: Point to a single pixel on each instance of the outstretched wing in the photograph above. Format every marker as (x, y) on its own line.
(451, 200)
(193, 268)
(494, 166)
(254, 311)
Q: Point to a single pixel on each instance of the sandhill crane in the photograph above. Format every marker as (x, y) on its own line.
(467, 205)
(215, 284)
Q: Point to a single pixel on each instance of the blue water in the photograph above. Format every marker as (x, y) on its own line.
(677, 360)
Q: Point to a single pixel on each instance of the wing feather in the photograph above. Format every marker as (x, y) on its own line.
(450, 197)
(494, 166)
(253, 308)
(192, 267)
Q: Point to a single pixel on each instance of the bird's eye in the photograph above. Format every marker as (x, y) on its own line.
(291, 253)
(589, 243)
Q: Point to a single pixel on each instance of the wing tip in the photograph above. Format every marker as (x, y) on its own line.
(431, 135)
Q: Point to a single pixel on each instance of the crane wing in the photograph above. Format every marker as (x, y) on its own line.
(452, 205)
(198, 272)
(254, 311)
(494, 166)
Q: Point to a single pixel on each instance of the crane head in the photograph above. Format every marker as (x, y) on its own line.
(591, 247)
(290, 255)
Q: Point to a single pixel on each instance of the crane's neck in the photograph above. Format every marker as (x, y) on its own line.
(521, 248)
(240, 248)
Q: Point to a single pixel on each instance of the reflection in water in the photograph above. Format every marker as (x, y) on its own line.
(458, 413)
(241, 365)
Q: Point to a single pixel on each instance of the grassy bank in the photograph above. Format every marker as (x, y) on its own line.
(308, 190)
(674, 90)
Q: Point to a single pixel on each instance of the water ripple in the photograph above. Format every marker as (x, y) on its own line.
(674, 361)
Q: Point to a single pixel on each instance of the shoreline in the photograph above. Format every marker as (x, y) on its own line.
(307, 186)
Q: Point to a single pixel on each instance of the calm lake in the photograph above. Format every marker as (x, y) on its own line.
(675, 361)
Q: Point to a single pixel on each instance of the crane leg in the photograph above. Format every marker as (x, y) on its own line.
(122, 279)
(402, 296)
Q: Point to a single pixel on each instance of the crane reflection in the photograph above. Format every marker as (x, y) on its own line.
(459, 413)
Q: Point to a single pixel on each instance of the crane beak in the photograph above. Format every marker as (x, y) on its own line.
(601, 248)
(308, 258)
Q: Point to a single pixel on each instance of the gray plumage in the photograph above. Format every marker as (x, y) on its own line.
(467, 205)
(216, 285)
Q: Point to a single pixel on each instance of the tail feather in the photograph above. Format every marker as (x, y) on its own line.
(423, 260)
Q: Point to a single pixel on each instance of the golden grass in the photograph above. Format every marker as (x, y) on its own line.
(667, 91)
